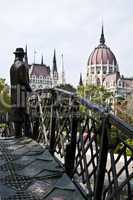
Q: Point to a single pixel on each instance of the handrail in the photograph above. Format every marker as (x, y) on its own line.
(84, 143)
(112, 118)
(124, 126)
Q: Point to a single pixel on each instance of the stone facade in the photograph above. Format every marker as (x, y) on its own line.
(41, 76)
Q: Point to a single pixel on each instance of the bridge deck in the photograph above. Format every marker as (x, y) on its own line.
(28, 171)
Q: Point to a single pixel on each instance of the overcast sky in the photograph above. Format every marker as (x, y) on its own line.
(72, 27)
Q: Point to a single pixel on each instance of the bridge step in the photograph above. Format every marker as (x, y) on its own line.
(28, 171)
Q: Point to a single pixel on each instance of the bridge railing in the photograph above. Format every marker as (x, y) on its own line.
(92, 144)
(4, 125)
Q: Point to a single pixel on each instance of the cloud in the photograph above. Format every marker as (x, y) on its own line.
(71, 26)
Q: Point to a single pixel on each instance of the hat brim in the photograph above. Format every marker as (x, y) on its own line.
(23, 53)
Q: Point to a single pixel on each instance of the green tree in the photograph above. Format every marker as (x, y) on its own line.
(125, 109)
(4, 96)
(95, 94)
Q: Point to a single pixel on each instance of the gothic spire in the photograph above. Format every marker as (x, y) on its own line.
(63, 72)
(54, 62)
(26, 56)
(102, 38)
(80, 81)
(42, 60)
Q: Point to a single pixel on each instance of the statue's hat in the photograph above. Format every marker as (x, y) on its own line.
(19, 51)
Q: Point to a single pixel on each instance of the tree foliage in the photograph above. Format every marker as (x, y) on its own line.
(100, 96)
(96, 94)
(124, 109)
(4, 96)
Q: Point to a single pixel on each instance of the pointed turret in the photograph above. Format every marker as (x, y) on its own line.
(42, 60)
(54, 62)
(80, 81)
(54, 71)
(102, 38)
(26, 56)
(63, 72)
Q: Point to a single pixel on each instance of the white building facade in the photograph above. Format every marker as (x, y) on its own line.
(42, 77)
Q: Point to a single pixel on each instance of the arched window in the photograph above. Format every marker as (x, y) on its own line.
(98, 81)
(40, 86)
(98, 69)
(92, 70)
(110, 69)
(104, 69)
(119, 83)
(34, 76)
(41, 77)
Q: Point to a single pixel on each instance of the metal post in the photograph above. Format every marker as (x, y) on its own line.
(52, 124)
(71, 147)
(102, 159)
(36, 124)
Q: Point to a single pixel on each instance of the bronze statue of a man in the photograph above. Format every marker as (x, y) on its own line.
(19, 78)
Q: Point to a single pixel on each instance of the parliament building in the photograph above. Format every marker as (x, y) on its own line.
(103, 70)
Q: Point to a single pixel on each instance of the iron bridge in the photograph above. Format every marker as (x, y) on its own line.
(74, 150)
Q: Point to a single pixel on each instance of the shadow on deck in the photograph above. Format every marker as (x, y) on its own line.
(28, 171)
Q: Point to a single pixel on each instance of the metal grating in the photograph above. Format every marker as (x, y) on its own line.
(12, 180)
(16, 182)
(20, 196)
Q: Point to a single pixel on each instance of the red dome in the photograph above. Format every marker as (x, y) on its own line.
(102, 54)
